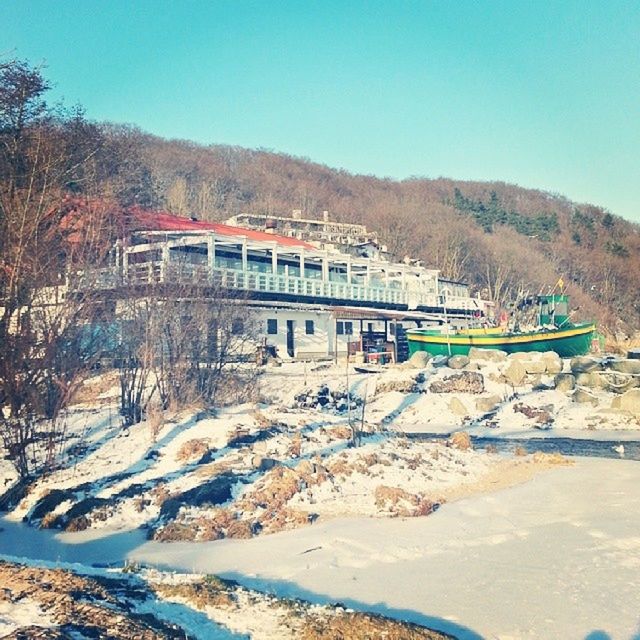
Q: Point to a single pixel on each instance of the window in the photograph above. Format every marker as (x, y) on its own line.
(272, 326)
(344, 328)
(237, 326)
(370, 327)
(309, 329)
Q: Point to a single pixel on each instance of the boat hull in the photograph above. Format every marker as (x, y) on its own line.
(566, 342)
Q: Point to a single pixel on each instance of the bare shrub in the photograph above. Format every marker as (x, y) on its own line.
(460, 440)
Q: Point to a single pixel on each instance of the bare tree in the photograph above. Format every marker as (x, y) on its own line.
(44, 349)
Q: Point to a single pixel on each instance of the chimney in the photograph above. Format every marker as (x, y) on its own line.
(296, 214)
(325, 216)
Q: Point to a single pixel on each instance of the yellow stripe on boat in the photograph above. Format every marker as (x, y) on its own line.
(499, 339)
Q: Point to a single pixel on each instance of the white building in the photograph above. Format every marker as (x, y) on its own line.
(309, 302)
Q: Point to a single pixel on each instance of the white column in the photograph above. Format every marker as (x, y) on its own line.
(274, 258)
(349, 270)
(325, 267)
(211, 254)
(244, 254)
(166, 256)
(302, 263)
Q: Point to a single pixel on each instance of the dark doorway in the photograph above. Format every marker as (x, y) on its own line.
(290, 345)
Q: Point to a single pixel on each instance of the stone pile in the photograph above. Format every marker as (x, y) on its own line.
(337, 400)
(463, 382)
(615, 375)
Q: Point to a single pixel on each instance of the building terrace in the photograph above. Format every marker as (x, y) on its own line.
(179, 251)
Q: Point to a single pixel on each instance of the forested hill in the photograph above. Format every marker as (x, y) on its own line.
(500, 237)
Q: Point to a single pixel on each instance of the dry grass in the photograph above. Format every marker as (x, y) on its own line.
(210, 592)
(338, 433)
(192, 450)
(540, 457)
(91, 389)
(460, 440)
(350, 625)
(399, 502)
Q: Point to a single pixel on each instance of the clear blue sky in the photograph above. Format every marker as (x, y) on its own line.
(544, 94)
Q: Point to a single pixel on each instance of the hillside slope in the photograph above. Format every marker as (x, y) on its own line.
(503, 239)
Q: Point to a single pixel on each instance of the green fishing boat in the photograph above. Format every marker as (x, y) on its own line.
(554, 332)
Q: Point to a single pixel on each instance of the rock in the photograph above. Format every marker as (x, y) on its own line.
(263, 464)
(535, 366)
(419, 360)
(460, 440)
(553, 362)
(583, 396)
(463, 382)
(530, 360)
(584, 364)
(515, 373)
(591, 380)
(403, 386)
(459, 362)
(473, 366)
(487, 403)
(565, 382)
(492, 355)
(615, 403)
(543, 416)
(618, 382)
(457, 407)
(630, 401)
(439, 361)
(625, 366)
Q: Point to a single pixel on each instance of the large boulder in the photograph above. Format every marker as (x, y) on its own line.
(515, 373)
(630, 401)
(463, 382)
(487, 403)
(491, 355)
(457, 407)
(439, 361)
(625, 366)
(582, 396)
(565, 382)
(591, 380)
(584, 364)
(552, 361)
(535, 366)
(618, 382)
(418, 360)
(458, 362)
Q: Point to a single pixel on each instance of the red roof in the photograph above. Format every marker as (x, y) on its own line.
(145, 220)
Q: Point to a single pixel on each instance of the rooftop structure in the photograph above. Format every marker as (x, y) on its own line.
(324, 234)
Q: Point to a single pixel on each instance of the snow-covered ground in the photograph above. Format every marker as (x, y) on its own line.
(475, 543)
(557, 557)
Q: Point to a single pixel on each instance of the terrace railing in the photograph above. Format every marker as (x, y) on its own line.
(159, 272)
